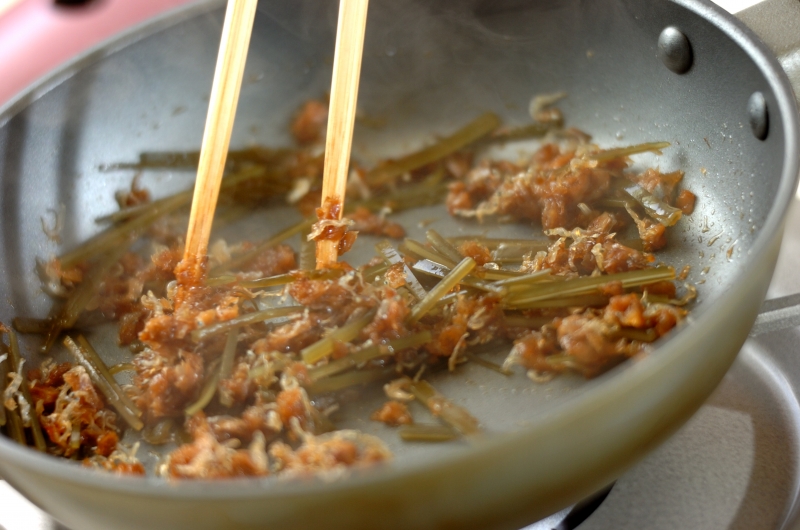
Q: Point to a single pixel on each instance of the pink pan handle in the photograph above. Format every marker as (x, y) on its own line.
(37, 35)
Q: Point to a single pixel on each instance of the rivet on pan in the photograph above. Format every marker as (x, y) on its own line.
(675, 50)
(758, 115)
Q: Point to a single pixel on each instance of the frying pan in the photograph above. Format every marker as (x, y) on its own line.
(429, 66)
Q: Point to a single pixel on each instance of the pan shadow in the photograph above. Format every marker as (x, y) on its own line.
(773, 485)
(733, 466)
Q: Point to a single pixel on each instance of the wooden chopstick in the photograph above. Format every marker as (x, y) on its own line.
(342, 114)
(227, 83)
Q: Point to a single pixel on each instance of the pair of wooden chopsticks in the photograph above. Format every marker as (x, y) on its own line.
(227, 84)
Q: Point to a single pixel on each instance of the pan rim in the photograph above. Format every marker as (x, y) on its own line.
(552, 414)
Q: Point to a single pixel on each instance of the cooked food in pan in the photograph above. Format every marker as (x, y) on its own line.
(240, 367)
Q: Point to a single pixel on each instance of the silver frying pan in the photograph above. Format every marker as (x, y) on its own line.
(635, 71)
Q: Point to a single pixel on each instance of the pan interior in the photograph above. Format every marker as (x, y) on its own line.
(428, 68)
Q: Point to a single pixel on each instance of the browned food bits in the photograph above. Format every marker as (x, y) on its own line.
(366, 222)
(71, 412)
(393, 413)
(686, 201)
(206, 458)
(309, 124)
(250, 361)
